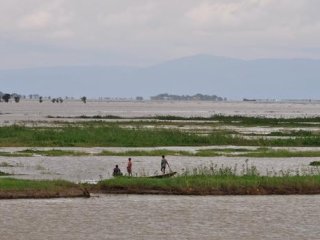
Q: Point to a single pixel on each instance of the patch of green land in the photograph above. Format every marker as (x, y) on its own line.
(214, 185)
(315, 163)
(213, 180)
(95, 135)
(220, 119)
(214, 152)
(17, 188)
(4, 174)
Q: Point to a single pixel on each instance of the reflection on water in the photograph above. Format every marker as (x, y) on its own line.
(162, 217)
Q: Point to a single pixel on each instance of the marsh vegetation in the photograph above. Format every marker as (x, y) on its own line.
(141, 134)
(224, 136)
(213, 180)
(17, 188)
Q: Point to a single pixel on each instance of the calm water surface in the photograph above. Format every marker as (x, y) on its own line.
(28, 110)
(81, 169)
(162, 217)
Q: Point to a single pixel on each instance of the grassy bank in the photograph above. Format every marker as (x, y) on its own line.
(15, 188)
(94, 135)
(214, 180)
(230, 120)
(202, 181)
(258, 153)
(262, 152)
(182, 185)
(214, 185)
(4, 174)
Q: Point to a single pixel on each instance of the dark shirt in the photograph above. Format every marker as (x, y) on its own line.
(117, 172)
(164, 162)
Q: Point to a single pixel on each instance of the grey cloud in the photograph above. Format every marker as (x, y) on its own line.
(164, 29)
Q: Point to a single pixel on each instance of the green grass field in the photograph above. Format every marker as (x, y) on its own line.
(102, 134)
(202, 185)
(219, 119)
(11, 188)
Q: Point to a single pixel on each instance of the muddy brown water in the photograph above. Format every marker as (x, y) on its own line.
(27, 110)
(153, 217)
(162, 217)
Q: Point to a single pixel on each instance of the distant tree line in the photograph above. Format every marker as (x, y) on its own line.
(196, 97)
(5, 97)
(55, 100)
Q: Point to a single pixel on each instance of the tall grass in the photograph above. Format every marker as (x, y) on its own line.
(229, 152)
(112, 135)
(103, 136)
(19, 184)
(315, 163)
(14, 154)
(280, 154)
(219, 180)
(231, 120)
(215, 152)
(18, 188)
(200, 184)
(4, 174)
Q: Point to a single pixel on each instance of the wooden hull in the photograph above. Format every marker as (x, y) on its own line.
(164, 175)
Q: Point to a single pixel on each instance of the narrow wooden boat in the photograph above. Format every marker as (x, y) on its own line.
(166, 175)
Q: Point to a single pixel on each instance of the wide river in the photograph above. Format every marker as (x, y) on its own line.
(28, 110)
(150, 216)
(162, 217)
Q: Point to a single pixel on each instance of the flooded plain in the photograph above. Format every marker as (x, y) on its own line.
(95, 168)
(28, 110)
(162, 217)
(155, 217)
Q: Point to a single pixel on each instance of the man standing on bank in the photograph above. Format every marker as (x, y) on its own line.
(164, 162)
(129, 167)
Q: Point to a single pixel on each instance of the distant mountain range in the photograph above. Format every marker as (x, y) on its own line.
(227, 77)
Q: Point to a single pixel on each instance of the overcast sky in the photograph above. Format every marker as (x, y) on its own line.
(143, 32)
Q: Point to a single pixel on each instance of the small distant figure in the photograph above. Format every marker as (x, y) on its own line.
(129, 167)
(116, 171)
(164, 163)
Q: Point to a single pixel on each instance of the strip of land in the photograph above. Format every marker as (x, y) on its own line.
(164, 131)
(14, 189)
(212, 185)
(207, 137)
(181, 185)
(197, 151)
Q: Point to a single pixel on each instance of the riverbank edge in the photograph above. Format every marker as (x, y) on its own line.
(25, 194)
(11, 188)
(214, 192)
(211, 185)
(299, 185)
(121, 191)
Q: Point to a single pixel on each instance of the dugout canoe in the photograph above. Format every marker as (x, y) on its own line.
(166, 175)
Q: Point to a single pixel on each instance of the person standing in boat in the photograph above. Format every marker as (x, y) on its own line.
(129, 167)
(164, 163)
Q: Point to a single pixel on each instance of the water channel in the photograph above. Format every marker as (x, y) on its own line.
(162, 217)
